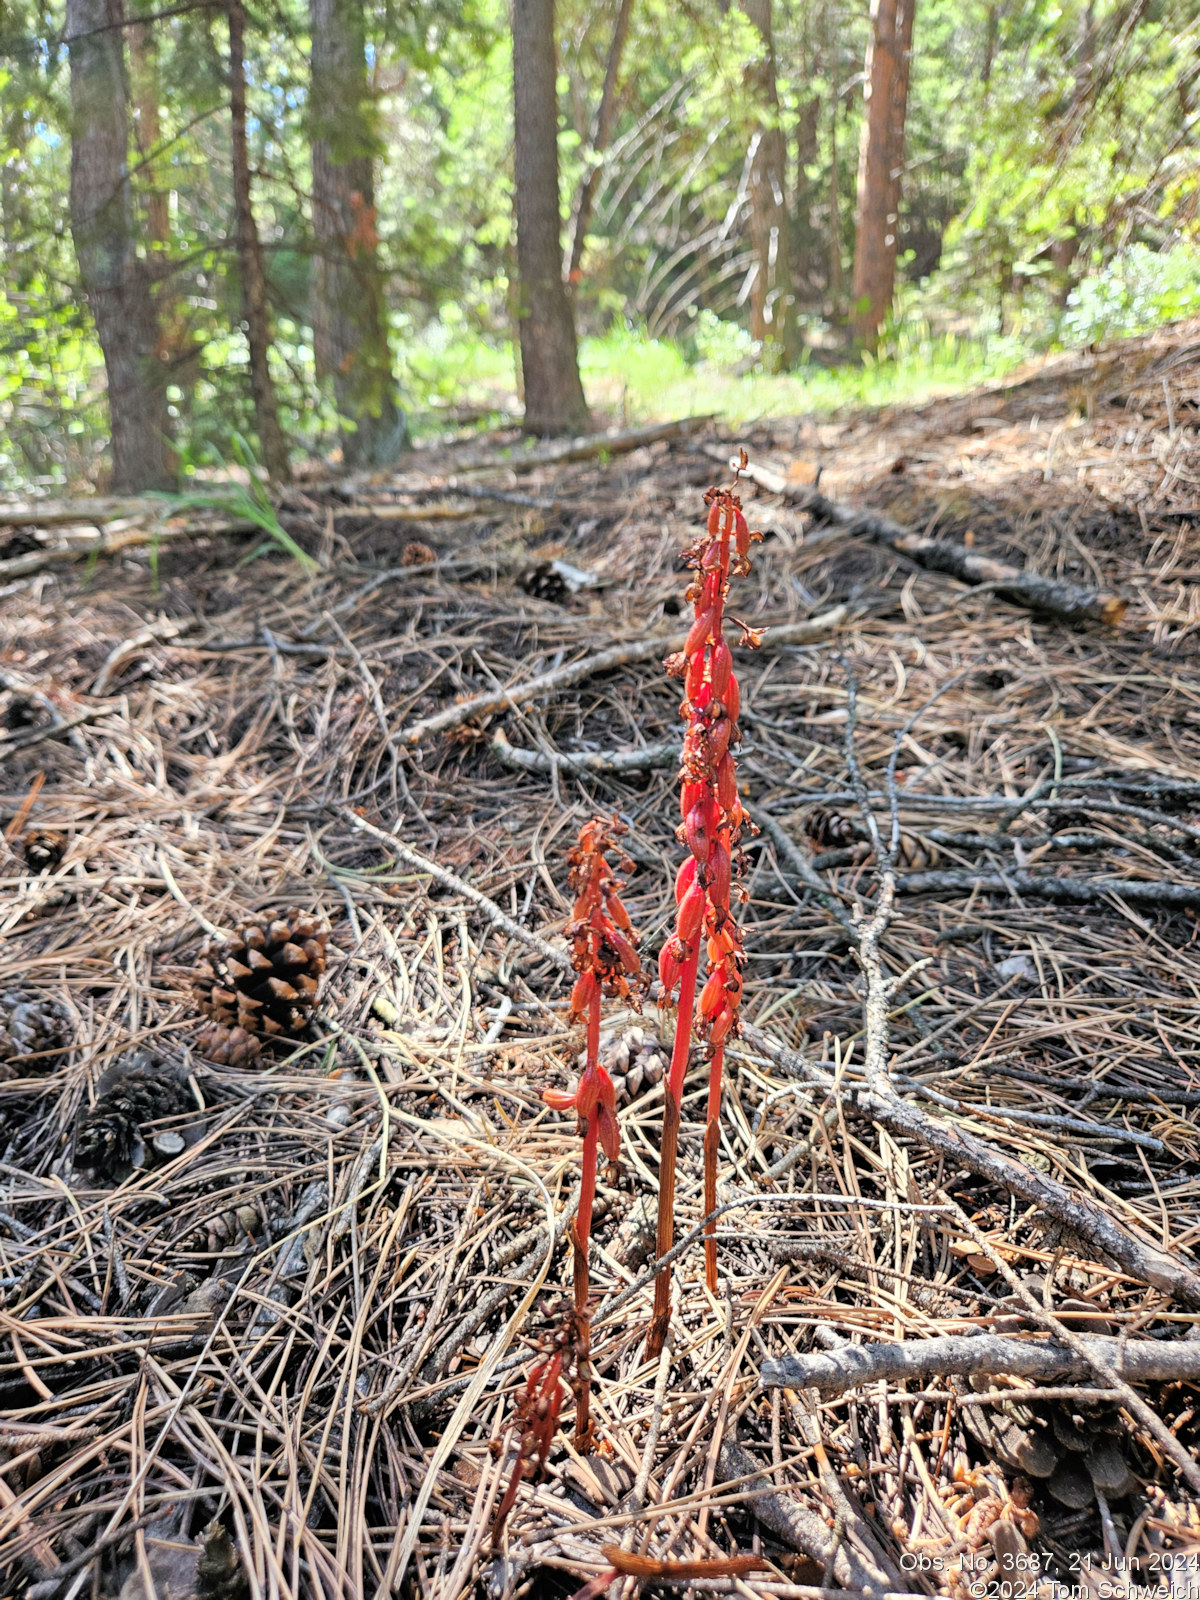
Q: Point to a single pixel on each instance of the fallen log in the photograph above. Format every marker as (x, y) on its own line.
(618, 655)
(1058, 597)
(619, 441)
(852, 1365)
(1045, 886)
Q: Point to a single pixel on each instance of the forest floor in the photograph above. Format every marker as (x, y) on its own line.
(294, 1300)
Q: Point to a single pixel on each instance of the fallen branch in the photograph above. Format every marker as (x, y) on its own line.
(801, 1528)
(602, 761)
(1139, 1259)
(1030, 589)
(66, 513)
(450, 880)
(1044, 886)
(853, 1365)
(588, 446)
(618, 655)
(107, 543)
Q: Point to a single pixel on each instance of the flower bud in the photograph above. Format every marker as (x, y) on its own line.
(718, 738)
(722, 1023)
(719, 874)
(700, 630)
(668, 966)
(685, 878)
(741, 534)
(733, 699)
(698, 827)
(582, 994)
(695, 674)
(690, 794)
(618, 913)
(626, 954)
(726, 783)
(690, 915)
(720, 665)
(714, 519)
(712, 996)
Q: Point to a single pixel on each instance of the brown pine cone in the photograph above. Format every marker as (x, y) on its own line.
(35, 1031)
(43, 849)
(137, 1089)
(263, 985)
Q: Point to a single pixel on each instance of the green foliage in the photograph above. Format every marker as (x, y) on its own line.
(245, 499)
(1049, 196)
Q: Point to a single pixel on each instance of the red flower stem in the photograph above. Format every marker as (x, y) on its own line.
(712, 1135)
(582, 1234)
(670, 1149)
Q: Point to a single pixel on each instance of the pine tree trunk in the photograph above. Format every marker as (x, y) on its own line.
(554, 401)
(881, 158)
(349, 313)
(771, 309)
(118, 286)
(255, 316)
(835, 197)
(605, 118)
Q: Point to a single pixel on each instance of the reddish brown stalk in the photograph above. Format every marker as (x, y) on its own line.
(712, 822)
(604, 956)
(537, 1418)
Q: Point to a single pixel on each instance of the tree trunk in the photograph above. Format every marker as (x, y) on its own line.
(349, 314)
(118, 286)
(255, 317)
(835, 198)
(771, 309)
(554, 401)
(605, 117)
(881, 158)
(174, 348)
(805, 238)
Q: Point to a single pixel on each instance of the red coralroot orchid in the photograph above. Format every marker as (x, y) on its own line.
(603, 954)
(537, 1418)
(711, 827)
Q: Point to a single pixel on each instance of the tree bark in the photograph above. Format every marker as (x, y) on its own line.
(117, 284)
(835, 198)
(605, 118)
(255, 316)
(771, 298)
(554, 402)
(881, 158)
(349, 313)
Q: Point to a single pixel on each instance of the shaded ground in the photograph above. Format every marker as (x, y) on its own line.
(274, 1327)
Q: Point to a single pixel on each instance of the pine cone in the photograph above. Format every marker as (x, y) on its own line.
(266, 983)
(1075, 1447)
(634, 1059)
(35, 1031)
(542, 582)
(43, 849)
(137, 1089)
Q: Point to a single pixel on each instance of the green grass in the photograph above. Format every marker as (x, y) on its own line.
(631, 378)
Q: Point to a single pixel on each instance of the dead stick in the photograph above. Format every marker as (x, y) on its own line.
(450, 880)
(618, 655)
(587, 447)
(601, 761)
(799, 1527)
(1105, 1364)
(1045, 886)
(852, 1366)
(1030, 589)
